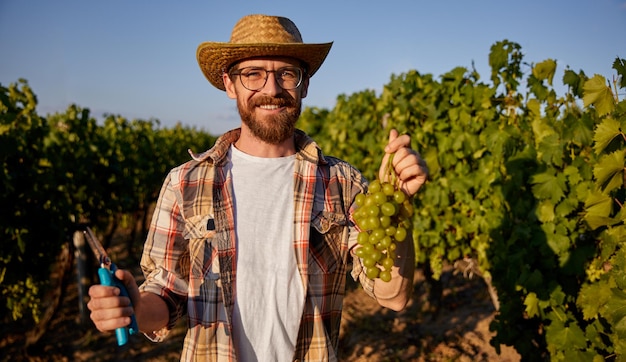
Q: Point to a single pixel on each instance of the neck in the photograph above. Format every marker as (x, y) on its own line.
(253, 146)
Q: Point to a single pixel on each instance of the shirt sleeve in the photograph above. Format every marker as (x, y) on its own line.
(165, 257)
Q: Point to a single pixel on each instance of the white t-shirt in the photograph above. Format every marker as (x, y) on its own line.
(269, 294)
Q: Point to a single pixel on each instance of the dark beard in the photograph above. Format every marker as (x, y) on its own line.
(276, 129)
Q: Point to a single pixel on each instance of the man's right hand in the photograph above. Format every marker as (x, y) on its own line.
(109, 310)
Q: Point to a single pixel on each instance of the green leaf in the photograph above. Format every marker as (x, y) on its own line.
(575, 81)
(545, 211)
(598, 94)
(580, 130)
(620, 66)
(598, 207)
(609, 171)
(606, 131)
(532, 305)
(575, 355)
(615, 311)
(592, 298)
(550, 150)
(598, 204)
(560, 245)
(564, 334)
(545, 70)
(548, 186)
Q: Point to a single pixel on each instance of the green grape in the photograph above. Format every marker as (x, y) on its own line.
(383, 215)
(362, 238)
(398, 196)
(379, 197)
(358, 215)
(385, 221)
(362, 223)
(376, 254)
(385, 241)
(388, 208)
(387, 263)
(374, 222)
(374, 186)
(385, 276)
(372, 272)
(373, 239)
(401, 234)
(359, 200)
(377, 234)
(369, 262)
(389, 190)
(367, 249)
(372, 210)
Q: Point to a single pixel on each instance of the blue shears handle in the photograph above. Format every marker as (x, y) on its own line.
(107, 277)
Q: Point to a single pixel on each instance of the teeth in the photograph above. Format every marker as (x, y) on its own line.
(269, 106)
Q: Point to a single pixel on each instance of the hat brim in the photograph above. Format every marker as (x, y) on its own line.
(214, 58)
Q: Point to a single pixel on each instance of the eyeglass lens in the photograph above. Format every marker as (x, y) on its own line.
(255, 78)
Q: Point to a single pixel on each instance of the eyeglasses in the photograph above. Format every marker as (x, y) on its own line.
(254, 79)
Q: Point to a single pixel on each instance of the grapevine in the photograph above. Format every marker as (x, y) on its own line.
(383, 216)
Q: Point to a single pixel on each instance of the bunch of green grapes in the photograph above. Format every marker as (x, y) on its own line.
(383, 215)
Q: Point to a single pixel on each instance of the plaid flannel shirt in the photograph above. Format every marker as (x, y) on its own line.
(189, 255)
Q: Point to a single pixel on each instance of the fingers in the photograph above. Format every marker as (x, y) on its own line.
(109, 310)
(397, 142)
(130, 283)
(407, 163)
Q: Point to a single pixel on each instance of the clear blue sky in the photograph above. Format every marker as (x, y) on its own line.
(137, 58)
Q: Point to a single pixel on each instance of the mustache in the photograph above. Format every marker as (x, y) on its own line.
(274, 101)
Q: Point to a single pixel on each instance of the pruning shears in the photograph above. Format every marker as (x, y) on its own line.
(106, 273)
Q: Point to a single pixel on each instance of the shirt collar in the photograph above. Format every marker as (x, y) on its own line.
(306, 148)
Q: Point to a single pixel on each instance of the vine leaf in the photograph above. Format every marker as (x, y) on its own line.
(548, 186)
(598, 207)
(592, 298)
(545, 211)
(532, 305)
(598, 94)
(616, 310)
(620, 66)
(564, 335)
(606, 131)
(545, 70)
(609, 171)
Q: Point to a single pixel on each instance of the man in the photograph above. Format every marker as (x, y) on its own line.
(253, 238)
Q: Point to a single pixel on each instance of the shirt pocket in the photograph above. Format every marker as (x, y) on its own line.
(325, 242)
(205, 286)
(200, 230)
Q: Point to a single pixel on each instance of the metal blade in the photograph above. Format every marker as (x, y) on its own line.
(97, 248)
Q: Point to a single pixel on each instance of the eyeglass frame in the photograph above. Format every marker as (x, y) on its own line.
(301, 71)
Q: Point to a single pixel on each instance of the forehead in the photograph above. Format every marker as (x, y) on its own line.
(268, 62)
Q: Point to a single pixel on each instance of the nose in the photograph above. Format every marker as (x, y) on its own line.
(271, 85)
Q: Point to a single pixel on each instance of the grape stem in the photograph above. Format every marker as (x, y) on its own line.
(391, 173)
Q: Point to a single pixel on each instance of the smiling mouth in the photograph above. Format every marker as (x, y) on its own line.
(269, 106)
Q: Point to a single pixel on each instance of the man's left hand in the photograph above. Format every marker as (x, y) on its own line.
(407, 163)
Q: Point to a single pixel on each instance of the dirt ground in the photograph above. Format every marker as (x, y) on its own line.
(455, 330)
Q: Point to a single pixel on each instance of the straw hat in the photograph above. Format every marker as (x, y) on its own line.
(259, 35)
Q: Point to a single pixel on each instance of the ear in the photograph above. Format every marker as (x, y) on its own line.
(229, 85)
